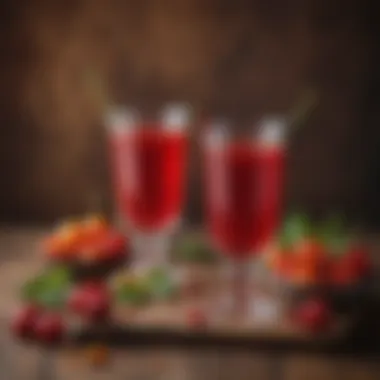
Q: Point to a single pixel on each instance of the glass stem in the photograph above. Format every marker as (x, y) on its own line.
(240, 287)
(151, 250)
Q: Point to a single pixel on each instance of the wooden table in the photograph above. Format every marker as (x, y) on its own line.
(18, 361)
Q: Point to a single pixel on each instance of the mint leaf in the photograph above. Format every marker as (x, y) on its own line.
(48, 289)
(332, 227)
(31, 289)
(57, 276)
(160, 284)
(53, 298)
(295, 227)
(133, 293)
(333, 234)
(195, 250)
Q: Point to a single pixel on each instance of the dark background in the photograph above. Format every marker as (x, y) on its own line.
(232, 56)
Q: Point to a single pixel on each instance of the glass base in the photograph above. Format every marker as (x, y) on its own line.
(152, 254)
(243, 296)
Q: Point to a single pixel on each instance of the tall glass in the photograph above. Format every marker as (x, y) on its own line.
(148, 155)
(243, 192)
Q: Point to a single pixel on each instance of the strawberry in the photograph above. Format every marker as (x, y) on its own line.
(23, 323)
(314, 315)
(49, 328)
(91, 301)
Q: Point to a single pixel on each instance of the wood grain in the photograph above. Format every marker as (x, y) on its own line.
(18, 361)
(236, 58)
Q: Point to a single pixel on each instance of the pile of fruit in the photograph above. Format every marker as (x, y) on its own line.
(52, 298)
(308, 254)
(87, 241)
(305, 254)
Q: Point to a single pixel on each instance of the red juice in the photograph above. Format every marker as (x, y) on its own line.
(118, 144)
(150, 184)
(270, 162)
(243, 188)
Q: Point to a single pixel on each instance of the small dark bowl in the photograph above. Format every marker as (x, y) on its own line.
(101, 269)
(343, 299)
(98, 270)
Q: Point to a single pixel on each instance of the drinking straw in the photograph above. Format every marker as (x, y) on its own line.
(303, 109)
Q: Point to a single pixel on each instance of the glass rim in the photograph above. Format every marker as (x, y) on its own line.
(171, 116)
(269, 130)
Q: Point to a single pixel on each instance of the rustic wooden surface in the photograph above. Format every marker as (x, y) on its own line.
(144, 363)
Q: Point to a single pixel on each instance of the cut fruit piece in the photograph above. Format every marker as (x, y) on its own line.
(88, 241)
(57, 248)
(310, 263)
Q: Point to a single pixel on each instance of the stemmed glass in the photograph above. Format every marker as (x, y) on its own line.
(149, 153)
(243, 191)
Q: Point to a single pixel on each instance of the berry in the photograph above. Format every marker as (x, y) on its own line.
(91, 301)
(49, 328)
(352, 267)
(313, 315)
(359, 261)
(24, 321)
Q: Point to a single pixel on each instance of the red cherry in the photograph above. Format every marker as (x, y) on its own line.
(24, 321)
(91, 301)
(314, 315)
(359, 261)
(49, 328)
(98, 308)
